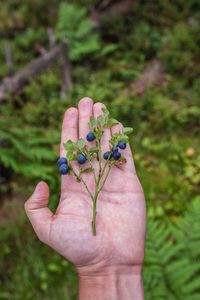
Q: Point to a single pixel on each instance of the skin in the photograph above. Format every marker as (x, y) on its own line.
(109, 264)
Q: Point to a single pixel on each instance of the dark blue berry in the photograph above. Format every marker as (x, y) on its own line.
(81, 159)
(61, 161)
(106, 155)
(116, 155)
(64, 169)
(114, 149)
(121, 145)
(90, 137)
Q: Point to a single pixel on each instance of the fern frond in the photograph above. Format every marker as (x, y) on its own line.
(172, 262)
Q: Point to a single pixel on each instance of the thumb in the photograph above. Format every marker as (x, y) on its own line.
(38, 213)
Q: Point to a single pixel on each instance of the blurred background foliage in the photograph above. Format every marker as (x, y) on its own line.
(106, 60)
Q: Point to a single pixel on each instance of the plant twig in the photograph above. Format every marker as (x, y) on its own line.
(84, 183)
(97, 191)
(15, 83)
(105, 165)
(99, 155)
(93, 171)
(105, 178)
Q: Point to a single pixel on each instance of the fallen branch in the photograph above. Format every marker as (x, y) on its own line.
(58, 53)
(9, 57)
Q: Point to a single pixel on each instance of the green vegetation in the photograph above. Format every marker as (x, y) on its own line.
(76, 28)
(166, 121)
(172, 263)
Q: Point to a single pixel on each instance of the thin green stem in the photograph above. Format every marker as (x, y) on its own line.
(97, 183)
(93, 171)
(86, 188)
(104, 181)
(97, 191)
(105, 165)
(95, 206)
(84, 183)
(94, 216)
(99, 155)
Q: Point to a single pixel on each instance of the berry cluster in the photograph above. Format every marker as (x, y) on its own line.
(63, 165)
(114, 153)
(81, 158)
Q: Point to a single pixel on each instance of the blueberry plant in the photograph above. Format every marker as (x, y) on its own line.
(85, 155)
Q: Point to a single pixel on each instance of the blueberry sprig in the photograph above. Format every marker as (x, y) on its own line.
(84, 154)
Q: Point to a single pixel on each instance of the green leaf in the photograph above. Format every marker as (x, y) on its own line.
(117, 137)
(98, 133)
(69, 145)
(70, 155)
(74, 26)
(127, 130)
(105, 111)
(81, 143)
(123, 138)
(92, 123)
(111, 122)
(101, 120)
(94, 150)
(108, 49)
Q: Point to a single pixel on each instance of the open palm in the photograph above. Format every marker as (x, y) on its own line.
(120, 207)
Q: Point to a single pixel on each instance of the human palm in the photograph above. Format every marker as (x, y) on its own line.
(120, 217)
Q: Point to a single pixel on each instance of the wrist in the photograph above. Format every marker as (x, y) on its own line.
(112, 283)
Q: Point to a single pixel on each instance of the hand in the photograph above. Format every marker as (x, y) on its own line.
(118, 246)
